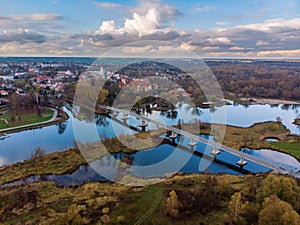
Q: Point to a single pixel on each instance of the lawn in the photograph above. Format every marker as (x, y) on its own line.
(9, 120)
(293, 148)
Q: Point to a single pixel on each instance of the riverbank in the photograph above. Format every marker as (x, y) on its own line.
(68, 161)
(269, 101)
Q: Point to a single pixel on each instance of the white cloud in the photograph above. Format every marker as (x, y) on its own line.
(221, 23)
(108, 5)
(219, 40)
(203, 9)
(269, 25)
(150, 20)
(261, 43)
(38, 17)
(147, 18)
(108, 26)
(236, 48)
(210, 48)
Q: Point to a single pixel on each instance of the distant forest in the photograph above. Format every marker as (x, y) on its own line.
(273, 79)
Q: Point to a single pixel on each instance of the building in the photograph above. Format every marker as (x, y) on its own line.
(3, 93)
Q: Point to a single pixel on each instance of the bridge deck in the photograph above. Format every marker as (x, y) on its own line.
(272, 165)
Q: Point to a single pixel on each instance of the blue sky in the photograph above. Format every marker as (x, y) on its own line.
(219, 28)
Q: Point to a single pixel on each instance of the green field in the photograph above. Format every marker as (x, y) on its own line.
(292, 148)
(8, 120)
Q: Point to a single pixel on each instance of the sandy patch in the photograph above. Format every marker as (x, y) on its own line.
(270, 101)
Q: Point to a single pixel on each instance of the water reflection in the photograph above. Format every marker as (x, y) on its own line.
(101, 120)
(61, 128)
(170, 114)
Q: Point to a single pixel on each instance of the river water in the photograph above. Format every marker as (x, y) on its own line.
(19, 146)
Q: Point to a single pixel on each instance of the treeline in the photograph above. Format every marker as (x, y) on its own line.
(273, 200)
(264, 80)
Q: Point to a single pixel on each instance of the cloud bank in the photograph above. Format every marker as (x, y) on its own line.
(152, 20)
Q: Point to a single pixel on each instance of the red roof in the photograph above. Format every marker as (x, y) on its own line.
(4, 92)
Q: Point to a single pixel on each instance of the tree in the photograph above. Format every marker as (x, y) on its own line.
(172, 204)
(38, 153)
(270, 186)
(276, 211)
(102, 96)
(285, 188)
(236, 207)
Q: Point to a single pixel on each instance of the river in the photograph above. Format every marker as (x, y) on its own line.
(19, 146)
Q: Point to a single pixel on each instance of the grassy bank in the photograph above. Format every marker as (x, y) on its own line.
(10, 120)
(63, 117)
(68, 161)
(291, 147)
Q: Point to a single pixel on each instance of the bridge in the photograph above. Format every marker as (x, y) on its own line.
(217, 147)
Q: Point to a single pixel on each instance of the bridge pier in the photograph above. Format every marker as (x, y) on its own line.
(143, 125)
(242, 162)
(173, 136)
(215, 152)
(192, 143)
(114, 113)
(125, 116)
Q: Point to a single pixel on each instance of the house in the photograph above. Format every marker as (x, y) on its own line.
(20, 91)
(4, 101)
(141, 86)
(3, 93)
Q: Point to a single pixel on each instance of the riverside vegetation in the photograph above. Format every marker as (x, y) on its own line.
(188, 199)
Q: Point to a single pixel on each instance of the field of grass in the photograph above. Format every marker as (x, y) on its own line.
(290, 147)
(8, 120)
(200, 199)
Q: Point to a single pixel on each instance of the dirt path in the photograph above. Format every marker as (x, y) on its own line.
(5, 120)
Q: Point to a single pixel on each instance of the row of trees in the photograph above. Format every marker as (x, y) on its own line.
(264, 80)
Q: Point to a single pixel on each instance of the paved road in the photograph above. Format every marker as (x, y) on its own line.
(54, 117)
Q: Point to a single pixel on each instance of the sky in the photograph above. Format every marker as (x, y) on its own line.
(209, 28)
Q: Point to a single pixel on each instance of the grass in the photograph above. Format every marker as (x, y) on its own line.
(242, 137)
(290, 147)
(24, 119)
(139, 206)
(55, 163)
